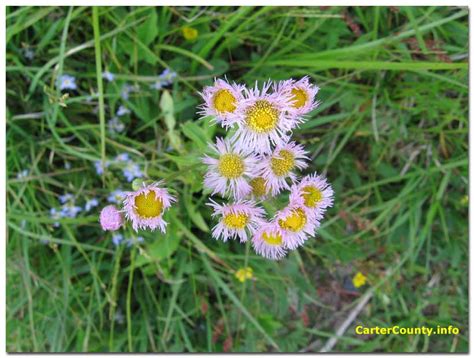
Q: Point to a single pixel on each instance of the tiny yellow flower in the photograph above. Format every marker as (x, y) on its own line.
(359, 280)
(190, 33)
(464, 200)
(243, 274)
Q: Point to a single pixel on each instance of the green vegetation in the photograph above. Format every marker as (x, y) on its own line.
(390, 134)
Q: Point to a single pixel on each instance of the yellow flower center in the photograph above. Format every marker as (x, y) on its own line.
(259, 186)
(283, 163)
(272, 239)
(262, 117)
(148, 205)
(293, 222)
(224, 101)
(299, 97)
(231, 166)
(312, 196)
(236, 220)
(190, 33)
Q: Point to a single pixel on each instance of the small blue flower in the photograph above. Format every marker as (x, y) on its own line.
(117, 239)
(122, 157)
(127, 89)
(108, 76)
(165, 79)
(67, 82)
(115, 125)
(136, 240)
(116, 196)
(65, 198)
(23, 174)
(91, 203)
(70, 210)
(99, 168)
(132, 171)
(122, 110)
(55, 215)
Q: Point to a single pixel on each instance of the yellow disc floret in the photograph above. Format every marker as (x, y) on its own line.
(272, 239)
(262, 117)
(283, 163)
(294, 222)
(231, 166)
(224, 101)
(299, 97)
(236, 220)
(312, 196)
(259, 186)
(148, 205)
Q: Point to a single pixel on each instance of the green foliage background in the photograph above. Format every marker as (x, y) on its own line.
(390, 134)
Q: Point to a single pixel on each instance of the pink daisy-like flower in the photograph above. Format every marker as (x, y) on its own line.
(269, 241)
(110, 218)
(239, 219)
(145, 206)
(263, 119)
(298, 223)
(228, 173)
(221, 101)
(302, 95)
(314, 192)
(279, 166)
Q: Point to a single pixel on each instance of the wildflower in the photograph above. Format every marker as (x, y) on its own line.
(132, 171)
(70, 209)
(259, 187)
(127, 89)
(221, 100)
(165, 79)
(298, 223)
(115, 125)
(110, 218)
(99, 168)
(269, 241)
(302, 95)
(108, 76)
(244, 273)
(122, 110)
(145, 206)
(359, 280)
(117, 239)
(239, 219)
(116, 196)
(67, 82)
(262, 119)
(314, 192)
(275, 169)
(23, 174)
(91, 203)
(134, 241)
(55, 214)
(189, 33)
(66, 198)
(228, 172)
(122, 157)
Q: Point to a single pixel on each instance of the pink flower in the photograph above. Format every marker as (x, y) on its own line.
(262, 119)
(302, 95)
(228, 173)
(280, 165)
(221, 101)
(314, 192)
(145, 207)
(298, 223)
(239, 219)
(110, 218)
(269, 241)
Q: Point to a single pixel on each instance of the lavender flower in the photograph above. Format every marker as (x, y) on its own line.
(122, 110)
(108, 76)
(67, 82)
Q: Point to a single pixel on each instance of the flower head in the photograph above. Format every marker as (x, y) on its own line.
(132, 170)
(359, 280)
(228, 173)
(145, 207)
(189, 33)
(302, 95)
(262, 119)
(269, 241)
(280, 165)
(110, 218)
(91, 203)
(109, 76)
(221, 101)
(99, 168)
(243, 274)
(239, 219)
(117, 239)
(122, 110)
(314, 192)
(115, 125)
(298, 223)
(67, 82)
(116, 196)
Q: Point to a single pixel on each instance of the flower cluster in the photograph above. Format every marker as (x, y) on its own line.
(143, 207)
(259, 160)
(69, 208)
(130, 169)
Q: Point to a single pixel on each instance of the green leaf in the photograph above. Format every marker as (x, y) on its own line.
(167, 109)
